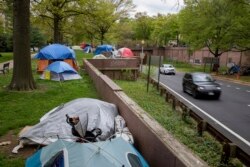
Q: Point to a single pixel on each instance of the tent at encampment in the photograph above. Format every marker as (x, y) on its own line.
(92, 113)
(55, 52)
(60, 71)
(111, 153)
(103, 48)
(125, 52)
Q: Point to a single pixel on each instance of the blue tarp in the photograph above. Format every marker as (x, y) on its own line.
(103, 48)
(55, 51)
(60, 66)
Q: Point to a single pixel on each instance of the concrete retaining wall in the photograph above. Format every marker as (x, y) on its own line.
(118, 68)
(158, 147)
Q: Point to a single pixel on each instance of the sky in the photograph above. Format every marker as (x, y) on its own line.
(152, 7)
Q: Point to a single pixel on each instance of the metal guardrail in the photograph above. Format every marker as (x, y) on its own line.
(233, 144)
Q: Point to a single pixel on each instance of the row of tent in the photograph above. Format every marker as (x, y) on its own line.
(57, 62)
(102, 49)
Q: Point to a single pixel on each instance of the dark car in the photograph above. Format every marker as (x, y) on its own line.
(200, 84)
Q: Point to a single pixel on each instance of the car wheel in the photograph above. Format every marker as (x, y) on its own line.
(217, 97)
(184, 88)
(195, 94)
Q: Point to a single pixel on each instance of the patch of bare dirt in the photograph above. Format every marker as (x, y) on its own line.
(7, 149)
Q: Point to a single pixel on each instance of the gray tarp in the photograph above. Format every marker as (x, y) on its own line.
(93, 113)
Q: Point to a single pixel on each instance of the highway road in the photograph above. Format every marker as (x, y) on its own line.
(232, 109)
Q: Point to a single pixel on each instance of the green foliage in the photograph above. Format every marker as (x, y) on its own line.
(165, 29)
(36, 38)
(55, 15)
(6, 57)
(143, 26)
(6, 42)
(100, 18)
(215, 24)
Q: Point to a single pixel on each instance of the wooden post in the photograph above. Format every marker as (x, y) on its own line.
(229, 150)
(173, 103)
(167, 97)
(202, 125)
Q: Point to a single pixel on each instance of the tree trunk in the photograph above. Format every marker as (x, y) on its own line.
(57, 30)
(22, 78)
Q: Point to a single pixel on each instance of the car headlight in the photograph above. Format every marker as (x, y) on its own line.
(200, 88)
(219, 88)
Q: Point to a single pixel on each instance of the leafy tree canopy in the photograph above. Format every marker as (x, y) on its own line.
(218, 25)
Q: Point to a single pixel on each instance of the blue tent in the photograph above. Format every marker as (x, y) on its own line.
(112, 153)
(61, 66)
(55, 51)
(103, 48)
(87, 49)
(60, 70)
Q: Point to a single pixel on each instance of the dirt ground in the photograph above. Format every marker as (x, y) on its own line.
(7, 149)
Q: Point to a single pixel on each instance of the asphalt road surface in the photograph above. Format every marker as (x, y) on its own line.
(232, 109)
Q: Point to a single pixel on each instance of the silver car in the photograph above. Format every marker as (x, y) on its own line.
(167, 69)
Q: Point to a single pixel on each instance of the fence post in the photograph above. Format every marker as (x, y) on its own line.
(229, 150)
(202, 125)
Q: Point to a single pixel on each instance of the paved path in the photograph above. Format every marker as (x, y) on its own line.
(11, 62)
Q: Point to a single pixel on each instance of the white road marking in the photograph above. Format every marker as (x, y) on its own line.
(215, 120)
(238, 88)
(228, 86)
(248, 91)
(248, 105)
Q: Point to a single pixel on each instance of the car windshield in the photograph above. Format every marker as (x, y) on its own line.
(168, 66)
(202, 78)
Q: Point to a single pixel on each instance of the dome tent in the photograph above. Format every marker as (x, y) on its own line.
(60, 71)
(103, 48)
(55, 52)
(125, 52)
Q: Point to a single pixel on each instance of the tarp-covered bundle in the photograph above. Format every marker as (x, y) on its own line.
(103, 48)
(111, 153)
(125, 52)
(92, 114)
(55, 52)
(60, 71)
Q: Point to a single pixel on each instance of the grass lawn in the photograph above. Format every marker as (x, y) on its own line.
(19, 109)
(6, 57)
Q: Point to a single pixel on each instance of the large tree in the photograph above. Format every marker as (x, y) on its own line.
(143, 26)
(219, 25)
(100, 16)
(165, 28)
(22, 78)
(55, 14)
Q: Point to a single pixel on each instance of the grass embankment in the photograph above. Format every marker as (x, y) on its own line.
(205, 147)
(19, 109)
